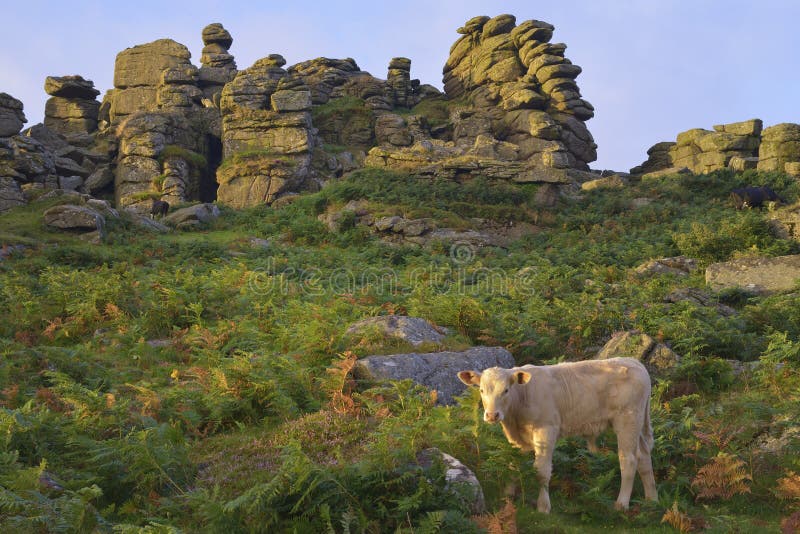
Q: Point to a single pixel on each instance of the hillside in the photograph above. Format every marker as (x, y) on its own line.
(195, 380)
(276, 348)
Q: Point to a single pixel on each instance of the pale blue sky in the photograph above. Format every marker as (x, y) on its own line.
(650, 68)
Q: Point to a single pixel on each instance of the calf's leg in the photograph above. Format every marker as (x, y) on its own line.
(645, 469)
(627, 430)
(544, 442)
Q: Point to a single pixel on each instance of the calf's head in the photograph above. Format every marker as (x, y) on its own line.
(496, 385)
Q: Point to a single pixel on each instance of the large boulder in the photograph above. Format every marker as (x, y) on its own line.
(657, 357)
(413, 330)
(76, 218)
(434, 370)
(757, 275)
(11, 115)
(192, 216)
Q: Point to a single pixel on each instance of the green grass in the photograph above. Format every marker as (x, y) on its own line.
(237, 419)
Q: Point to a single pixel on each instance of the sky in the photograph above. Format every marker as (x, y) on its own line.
(651, 68)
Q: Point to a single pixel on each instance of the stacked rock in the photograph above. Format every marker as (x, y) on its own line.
(267, 136)
(177, 88)
(399, 80)
(138, 76)
(71, 109)
(702, 151)
(497, 64)
(780, 148)
(218, 66)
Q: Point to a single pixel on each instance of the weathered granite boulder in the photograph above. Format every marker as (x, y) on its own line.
(436, 370)
(458, 478)
(11, 195)
(657, 357)
(11, 115)
(669, 171)
(658, 158)
(699, 297)
(785, 222)
(757, 275)
(76, 218)
(780, 144)
(192, 216)
(413, 330)
(615, 181)
(678, 265)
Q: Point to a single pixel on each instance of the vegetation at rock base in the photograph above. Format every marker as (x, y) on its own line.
(190, 381)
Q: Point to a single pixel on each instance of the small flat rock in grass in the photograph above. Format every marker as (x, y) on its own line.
(414, 330)
(201, 213)
(458, 478)
(434, 370)
(761, 276)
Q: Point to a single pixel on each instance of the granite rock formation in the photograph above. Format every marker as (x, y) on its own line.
(738, 146)
(515, 110)
(267, 136)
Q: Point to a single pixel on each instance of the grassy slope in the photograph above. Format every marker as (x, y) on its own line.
(244, 421)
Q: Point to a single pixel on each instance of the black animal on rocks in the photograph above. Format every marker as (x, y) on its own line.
(753, 197)
(159, 208)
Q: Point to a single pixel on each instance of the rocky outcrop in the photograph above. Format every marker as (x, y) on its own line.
(703, 151)
(738, 146)
(413, 330)
(780, 145)
(757, 275)
(515, 111)
(218, 65)
(140, 173)
(72, 109)
(267, 136)
(529, 83)
(12, 118)
(435, 370)
(24, 161)
(657, 357)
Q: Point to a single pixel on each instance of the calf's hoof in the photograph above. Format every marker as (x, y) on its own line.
(543, 504)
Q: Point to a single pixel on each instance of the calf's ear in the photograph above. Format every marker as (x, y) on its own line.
(470, 378)
(522, 377)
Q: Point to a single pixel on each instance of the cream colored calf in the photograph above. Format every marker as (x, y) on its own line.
(537, 405)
